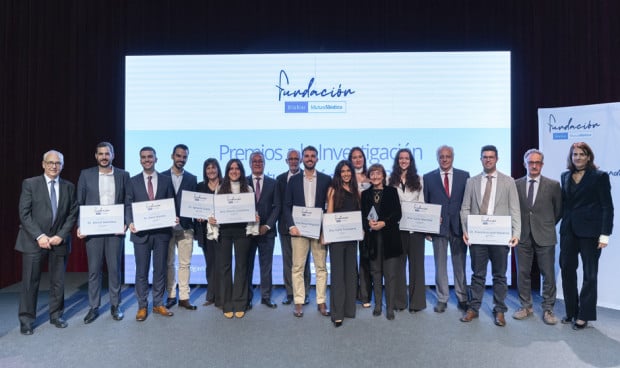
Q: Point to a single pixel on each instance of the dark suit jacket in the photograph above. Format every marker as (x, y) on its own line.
(589, 211)
(435, 193)
(268, 206)
(541, 219)
(35, 215)
(189, 182)
(282, 183)
(88, 188)
(295, 195)
(390, 212)
(138, 193)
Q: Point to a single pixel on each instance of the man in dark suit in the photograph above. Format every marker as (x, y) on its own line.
(148, 186)
(47, 213)
(541, 209)
(183, 233)
(103, 185)
(268, 208)
(445, 186)
(292, 160)
(307, 190)
(495, 194)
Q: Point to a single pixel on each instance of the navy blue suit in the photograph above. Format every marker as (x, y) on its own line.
(147, 241)
(98, 246)
(450, 232)
(587, 213)
(268, 207)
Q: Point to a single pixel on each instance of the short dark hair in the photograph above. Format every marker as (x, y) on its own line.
(105, 144)
(180, 145)
(489, 147)
(148, 148)
(310, 148)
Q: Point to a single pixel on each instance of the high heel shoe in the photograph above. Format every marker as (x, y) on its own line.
(580, 326)
(337, 323)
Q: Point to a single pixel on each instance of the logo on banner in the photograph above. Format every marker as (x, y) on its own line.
(570, 129)
(301, 99)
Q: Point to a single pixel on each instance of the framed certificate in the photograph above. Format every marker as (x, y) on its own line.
(234, 208)
(342, 226)
(489, 230)
(196, 205)
(156, 214)
(308, 221)
(102, 220)
(420, 217)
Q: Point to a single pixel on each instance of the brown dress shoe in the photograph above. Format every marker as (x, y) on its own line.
(322, 308)
(299, 311)
(163, 311)
(141, 315)
(499, 319)
(469, 315)
(187, 305)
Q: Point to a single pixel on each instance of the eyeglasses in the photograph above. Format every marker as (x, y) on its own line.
(532, 163)
(53, 163)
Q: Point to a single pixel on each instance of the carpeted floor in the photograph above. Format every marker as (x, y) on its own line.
(275, 338)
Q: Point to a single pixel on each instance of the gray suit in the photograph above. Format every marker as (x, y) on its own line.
(538, 237)
(98, 246)
(35, 215)
(506, 204)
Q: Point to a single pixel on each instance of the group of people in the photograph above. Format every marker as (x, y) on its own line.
(48, 209)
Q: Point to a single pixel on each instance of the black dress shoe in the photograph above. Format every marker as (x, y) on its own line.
(390, 315)
(376, 312)
(170, 302)
(25, 330)
(288, 300)
(440, 307)
(59, 322)
(92, 315)
(117, 313)
(268, 303)
(578, 326)
(187, 305)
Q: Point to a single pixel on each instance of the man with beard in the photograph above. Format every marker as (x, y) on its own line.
(183, 233)
(103, 185)
(307, 190)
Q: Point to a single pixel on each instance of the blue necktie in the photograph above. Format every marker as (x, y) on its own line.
(53, 200)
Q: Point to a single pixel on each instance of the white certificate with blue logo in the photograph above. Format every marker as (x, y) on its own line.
(102, 220)
(196, 205)
(342, 226)
(489, 230)
(156, 214)
(308, 221)
(420, 217)
(234, 208)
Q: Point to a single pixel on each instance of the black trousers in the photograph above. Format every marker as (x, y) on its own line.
(343, 259)
(210, 249)
(234, 291)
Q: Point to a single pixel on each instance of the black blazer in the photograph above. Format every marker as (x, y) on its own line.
(268, 206)
(389, 212)
(35, 215)
(88, 188)
(187, 183)
(588, 211)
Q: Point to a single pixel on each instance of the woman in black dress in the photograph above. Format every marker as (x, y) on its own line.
(381, 213)
(212, 177)
(343, 196)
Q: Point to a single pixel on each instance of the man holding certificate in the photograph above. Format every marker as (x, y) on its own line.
(149, 186)
(307, 193)
(103, 185)
(490, 194)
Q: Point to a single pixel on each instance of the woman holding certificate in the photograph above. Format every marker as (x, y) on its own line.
(409, 184)
(343, 196)
(207, 240)
(358, 159)
(234, 291)
(587, 221)
(380, 215)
